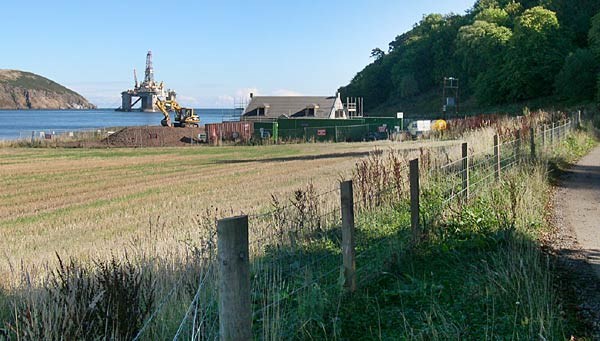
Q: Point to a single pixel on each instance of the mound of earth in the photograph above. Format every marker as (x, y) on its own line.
(152, 136)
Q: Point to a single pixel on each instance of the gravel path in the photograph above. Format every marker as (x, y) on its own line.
(582, 205)
(576, 240)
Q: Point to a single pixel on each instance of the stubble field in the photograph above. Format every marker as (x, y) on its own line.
(96, 203)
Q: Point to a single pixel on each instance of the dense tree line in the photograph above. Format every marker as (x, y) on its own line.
(503, 51)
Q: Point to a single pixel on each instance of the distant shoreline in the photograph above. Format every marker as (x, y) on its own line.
(111, 109)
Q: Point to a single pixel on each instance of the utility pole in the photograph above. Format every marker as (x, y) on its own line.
(451, 96)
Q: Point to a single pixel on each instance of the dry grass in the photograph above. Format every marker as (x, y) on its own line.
(158, 208)
(91, 204)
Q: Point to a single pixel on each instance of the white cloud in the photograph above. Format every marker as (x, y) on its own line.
(189, 101)
(224, 101)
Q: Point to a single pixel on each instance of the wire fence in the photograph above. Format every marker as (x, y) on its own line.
(62, 134)
(298, 249)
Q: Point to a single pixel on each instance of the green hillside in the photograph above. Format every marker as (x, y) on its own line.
(503, 53)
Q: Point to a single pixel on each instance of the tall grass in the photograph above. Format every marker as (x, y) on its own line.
(77, 302)
(479, 271)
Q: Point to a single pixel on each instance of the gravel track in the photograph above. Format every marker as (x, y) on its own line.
(576, 240)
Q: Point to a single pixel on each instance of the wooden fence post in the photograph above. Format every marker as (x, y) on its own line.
(532, 142)
(235, 307)
(497, 157)
(552, 134)
(544, 136)
(414, 201)
(348, 250)
(465, 170)
(578, 125)
(518, 146)
(560, 130)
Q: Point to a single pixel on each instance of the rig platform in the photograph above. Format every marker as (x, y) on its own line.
(147, 92)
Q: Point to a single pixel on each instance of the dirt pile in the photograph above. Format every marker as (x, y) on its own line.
(150, 136)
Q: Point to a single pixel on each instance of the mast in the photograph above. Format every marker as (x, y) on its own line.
(149, 69)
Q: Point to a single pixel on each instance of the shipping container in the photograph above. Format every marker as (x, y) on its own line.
(229, 131)
(334, 130)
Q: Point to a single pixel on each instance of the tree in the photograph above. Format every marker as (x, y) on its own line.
(513, 8)
(537, 51)
(494, 16)
(594, 37)
(576, 81)
(408, 86)
(481, 48)
(575, 17)
(377, 53)
(502, 50)
(598, 89)
(481, 44)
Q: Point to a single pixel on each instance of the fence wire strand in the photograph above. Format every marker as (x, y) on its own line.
(481, 167)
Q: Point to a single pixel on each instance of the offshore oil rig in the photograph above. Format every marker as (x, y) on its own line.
(147, 92)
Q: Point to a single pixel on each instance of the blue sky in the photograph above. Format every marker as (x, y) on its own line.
(210, 52)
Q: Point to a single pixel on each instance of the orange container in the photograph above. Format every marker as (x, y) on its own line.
(229, 131)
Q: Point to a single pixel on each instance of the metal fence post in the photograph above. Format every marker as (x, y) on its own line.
(348, 250)
(532, 142)
(497, 157)
(414, 201)
(465, 170)
(235, 309)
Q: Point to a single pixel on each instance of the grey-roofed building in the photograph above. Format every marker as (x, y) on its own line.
(273, 107)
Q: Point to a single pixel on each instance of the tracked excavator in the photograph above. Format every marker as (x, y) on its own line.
(184, 117)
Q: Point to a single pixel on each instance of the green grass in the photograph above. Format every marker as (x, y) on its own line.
(478, 274)
(569, 151)
(458, 287)
(481, 275)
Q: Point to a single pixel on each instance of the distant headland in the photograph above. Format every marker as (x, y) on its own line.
(26, 90)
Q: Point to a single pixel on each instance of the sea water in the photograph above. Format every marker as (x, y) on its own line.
(15, 124)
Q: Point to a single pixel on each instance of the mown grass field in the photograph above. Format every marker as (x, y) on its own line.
(94, 203)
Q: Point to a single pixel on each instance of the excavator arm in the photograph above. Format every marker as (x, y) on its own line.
(183, 116)
(162, 106)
